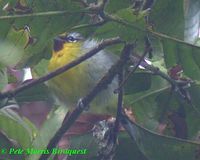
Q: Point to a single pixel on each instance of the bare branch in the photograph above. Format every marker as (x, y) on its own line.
(100, 46)
(84, 102)
(89, 25)
(146, 51)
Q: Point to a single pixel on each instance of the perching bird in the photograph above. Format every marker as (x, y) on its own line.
(75, 83)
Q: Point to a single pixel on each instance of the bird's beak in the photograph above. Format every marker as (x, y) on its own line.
(58, 43)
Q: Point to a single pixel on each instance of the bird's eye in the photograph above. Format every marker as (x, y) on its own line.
(71, 39)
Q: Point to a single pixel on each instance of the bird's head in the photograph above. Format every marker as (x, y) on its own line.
(67, 40)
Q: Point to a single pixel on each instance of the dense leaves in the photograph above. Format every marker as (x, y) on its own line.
(159, 109)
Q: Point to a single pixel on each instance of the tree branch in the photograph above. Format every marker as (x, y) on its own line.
(100, 46)
(119, 105)
(119, 20)
(89, 25)
(147, 49)
(84, 102)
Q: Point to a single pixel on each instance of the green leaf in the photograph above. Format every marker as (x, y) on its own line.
(144, 106)
(126, 32)
(3, 78)
(114, 5)
(49, 128)
(7, 144)
(85, 141)
(191, 20)
(154, 145)
(88, 142)
(10, 54)
(168, 17)
(128, 148)
(169, 54)
(152, 107)
(16, 128)
(184, 55)
(39, 92)
(113, 29)
(137, 82)
(46, 20)
(41, 67)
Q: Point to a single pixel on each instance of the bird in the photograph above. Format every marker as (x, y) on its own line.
(70, 86)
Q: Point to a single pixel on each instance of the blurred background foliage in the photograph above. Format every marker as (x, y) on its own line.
(165, 126)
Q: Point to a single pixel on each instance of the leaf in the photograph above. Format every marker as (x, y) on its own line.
(165, 20)
(184, 55)
(44, 23)
(3, 78)
(127, 148)
(7, 144)
(112, 29)
(41, 67)
(154, 145)
(10, 54)
(175, 51)
(16, 128)
(137, 82)
(38, 93)
(88, 142)
(152, 107)
(114, 5)
(49, 128)
(192, 14)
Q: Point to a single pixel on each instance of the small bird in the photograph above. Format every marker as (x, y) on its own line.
(75, 83)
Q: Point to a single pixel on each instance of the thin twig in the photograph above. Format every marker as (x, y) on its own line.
(146, 51)
(176, 85)
(156, 71)
(120, 20)
(119, 106)
(100, 46)
(41, 14)
(84, 102)
(88, 25)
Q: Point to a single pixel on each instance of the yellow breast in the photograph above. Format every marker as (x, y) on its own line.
(73, 83)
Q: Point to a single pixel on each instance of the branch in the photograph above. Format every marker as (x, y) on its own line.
(147, 49)
(119, 20)
(84, 102)
(119, 106)
(100, 46)
(89, 25)
(154, 70)
(42, 14)
(177, 86)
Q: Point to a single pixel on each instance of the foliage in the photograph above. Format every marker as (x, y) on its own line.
(166, 124)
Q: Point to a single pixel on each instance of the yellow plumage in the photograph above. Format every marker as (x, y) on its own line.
(78, 81)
